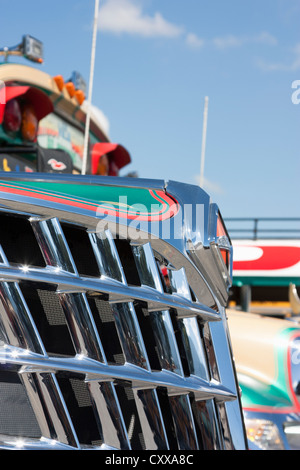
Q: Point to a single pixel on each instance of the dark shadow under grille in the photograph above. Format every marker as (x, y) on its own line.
(81, 250)
(18, 241)
(144, 318)
(78, 401)
(167, 417)
(105, 323)
(130, 415)
(128, 262)
(49, 318)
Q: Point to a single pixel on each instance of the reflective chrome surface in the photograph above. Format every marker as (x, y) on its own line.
(144, 359)
(53, 244)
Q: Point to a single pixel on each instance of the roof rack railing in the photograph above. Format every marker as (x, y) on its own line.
(284, 228)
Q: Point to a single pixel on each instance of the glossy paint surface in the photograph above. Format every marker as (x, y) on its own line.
(125, 203)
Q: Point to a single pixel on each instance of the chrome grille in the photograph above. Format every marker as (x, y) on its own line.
(97, 351)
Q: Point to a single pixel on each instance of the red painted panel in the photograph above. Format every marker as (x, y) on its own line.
(273, 258)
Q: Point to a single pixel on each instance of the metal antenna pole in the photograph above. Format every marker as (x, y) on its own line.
(89, 108)
(203, 141)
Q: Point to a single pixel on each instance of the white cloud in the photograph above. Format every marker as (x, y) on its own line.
(292, 66)
(192, 40)
(230, 40)
(127, 16)
(227, 41)
(265, 38)
(210, 186)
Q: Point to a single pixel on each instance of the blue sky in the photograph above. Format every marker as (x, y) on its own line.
(156, 60)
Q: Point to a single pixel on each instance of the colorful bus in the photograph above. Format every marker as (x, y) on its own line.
(264, 321)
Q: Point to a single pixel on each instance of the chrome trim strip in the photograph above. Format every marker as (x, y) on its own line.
(17, 443)
(101, 372)
(105, 286)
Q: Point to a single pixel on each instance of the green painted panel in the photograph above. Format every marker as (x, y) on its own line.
(265, 281)
(126, 202)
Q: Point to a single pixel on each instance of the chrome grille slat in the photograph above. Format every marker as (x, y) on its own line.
(81, 326)
(118, 291)
(145, 423)
(49, 407)
(183, 422)
(151, 419)
(108, 410)
(166, 343)
(3, 259)
(130, 335)
(15, 443)
(107, 256)
(210, 436)
(194, 346)
(124, 313)
(16, 321)
(53, 245)
(147, 266)
(99, 372)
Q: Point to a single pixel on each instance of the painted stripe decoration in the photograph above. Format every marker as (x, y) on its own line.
(128, 203)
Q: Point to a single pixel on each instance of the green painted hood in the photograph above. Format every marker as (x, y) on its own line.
(120, 201)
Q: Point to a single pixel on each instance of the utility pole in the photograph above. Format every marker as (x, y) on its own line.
(89, 109)
(205, 114)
